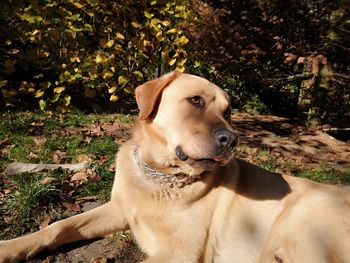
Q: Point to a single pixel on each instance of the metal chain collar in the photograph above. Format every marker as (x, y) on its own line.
(178, 180)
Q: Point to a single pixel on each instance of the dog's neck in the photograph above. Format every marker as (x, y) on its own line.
(170, 180)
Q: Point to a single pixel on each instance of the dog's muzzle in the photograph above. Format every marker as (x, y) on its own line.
(180, 154)
(225, 143)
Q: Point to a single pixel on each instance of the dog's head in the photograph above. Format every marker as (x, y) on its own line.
(185, 122)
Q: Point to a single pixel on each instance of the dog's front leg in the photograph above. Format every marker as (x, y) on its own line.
(99, 222)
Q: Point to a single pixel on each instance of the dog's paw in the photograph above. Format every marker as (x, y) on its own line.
(12, 250)
(5, 252)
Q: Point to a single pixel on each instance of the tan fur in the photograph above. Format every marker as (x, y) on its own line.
(237, 212)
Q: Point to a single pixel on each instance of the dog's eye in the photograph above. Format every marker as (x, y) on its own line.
(227, 114)
(197, 101)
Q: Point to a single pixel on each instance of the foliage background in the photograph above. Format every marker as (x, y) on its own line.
(285, 56)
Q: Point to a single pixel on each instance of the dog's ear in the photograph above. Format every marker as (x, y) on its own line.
(148, 94)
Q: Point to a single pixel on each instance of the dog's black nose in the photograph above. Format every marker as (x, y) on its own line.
(225, 138)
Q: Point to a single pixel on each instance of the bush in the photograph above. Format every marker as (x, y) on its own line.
(57, 52)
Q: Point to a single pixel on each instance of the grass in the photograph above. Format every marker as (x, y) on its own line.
(44, 138)
(37, 138)
(326, 175)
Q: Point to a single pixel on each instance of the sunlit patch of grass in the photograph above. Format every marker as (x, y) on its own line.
(31, 137)
(326, 175)
(71, 145)
(28, 200)
(269, 164)
(101, 189)
(20, 153)
(102, 146)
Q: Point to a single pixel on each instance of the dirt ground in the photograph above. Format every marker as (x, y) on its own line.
(291, 141)
(287, 140)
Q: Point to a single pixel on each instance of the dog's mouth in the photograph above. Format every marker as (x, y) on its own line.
(207, 163)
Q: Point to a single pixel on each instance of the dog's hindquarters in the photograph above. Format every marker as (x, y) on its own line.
(99, 222)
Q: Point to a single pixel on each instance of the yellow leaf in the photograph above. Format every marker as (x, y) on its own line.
(129, 90)
(159, 34)
(136, 24)
(66, 100)
(28, 87)
(42, 104)
(110, 43)
(3, 83)
(55, 97)
(63, 108)
(13, 51)
(35, 32)
(138, 74)
(120, 36)
(122, 80)
(171, 31)
(146, 43)
(180, 68)
(105, 43)
(45, 85)
(148, 14)
(112, 89)
(43, 53)
(9, 93)
(107, 74)
(166, 23)
(74, 59)
(172, 62)
(77, 5)
(181, 62)
(113, 98)
(39, 93)
(181, 41)
(100, 58)
(59, 89)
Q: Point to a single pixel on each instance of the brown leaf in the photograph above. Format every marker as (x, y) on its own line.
(33, 156)
(111, 168)
(72, 206)
(99, 260)
(4, 141)
(86, 199)
(80, 176)
(36, 124)
(48, 180)
(45, 222)
(86, 157)
(39, 141)
(58, 156)
(7, 191)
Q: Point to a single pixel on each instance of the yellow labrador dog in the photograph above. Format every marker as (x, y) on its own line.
(187, 199)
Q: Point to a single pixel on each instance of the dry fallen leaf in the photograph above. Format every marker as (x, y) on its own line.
(39, 141)
(86, 157)
(58, 156)
(4, 141)
(85, 176)
(99, 260)
(45, 222)
(86, 199)
(72, 206)
(48, 180)
(33, 156)
(80, 176)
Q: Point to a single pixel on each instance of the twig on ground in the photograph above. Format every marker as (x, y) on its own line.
(18, 168)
